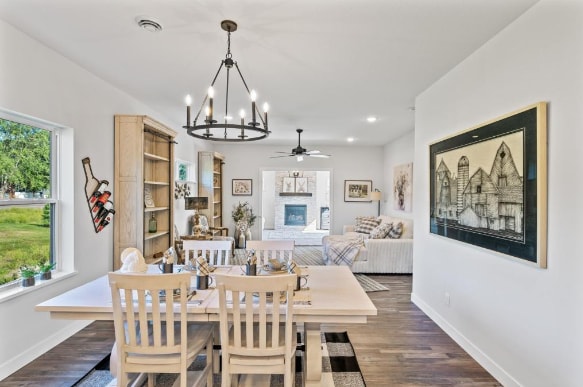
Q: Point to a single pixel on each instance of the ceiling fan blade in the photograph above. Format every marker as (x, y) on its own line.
(311, 152)
(319, 155)
(287, 153)
(276, 157)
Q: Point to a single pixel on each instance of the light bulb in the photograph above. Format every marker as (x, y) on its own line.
(207, 110)
(265, 107)
(211, 92)
(253, 95)
(242, 113)
(188, 100)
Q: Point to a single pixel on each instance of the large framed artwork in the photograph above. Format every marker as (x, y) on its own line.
(357, 190)
(488, 185)
(403, 187)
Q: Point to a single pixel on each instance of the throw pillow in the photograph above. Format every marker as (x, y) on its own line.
(381, 231)
(367, 225)
(359, 219)
(396, 231)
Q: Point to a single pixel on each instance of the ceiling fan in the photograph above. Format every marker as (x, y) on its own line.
(299, 152)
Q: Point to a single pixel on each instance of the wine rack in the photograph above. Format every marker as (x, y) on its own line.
(98, 198)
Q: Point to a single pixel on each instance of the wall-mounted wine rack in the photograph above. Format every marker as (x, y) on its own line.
(98, 198)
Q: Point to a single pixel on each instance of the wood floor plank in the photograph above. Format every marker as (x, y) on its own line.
(400, 346)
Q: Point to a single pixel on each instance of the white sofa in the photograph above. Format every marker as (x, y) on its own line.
(382, 256)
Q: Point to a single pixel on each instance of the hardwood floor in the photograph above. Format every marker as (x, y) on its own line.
(400, 346)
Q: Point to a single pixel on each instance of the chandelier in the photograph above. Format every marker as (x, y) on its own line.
(213, 130)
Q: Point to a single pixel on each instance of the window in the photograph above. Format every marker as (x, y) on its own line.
(502, 181)
(29, 202)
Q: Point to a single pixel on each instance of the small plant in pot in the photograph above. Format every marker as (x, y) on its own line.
(27, 275)
(45, 270)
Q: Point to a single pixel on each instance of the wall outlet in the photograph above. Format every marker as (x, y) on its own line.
(446, 298)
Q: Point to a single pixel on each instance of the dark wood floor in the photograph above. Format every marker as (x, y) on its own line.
(400, 346)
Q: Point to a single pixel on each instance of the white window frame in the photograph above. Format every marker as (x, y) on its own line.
(64, 262)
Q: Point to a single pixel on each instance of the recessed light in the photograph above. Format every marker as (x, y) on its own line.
(371, 119)
(350, 139)
(148, 23)
(475, 136)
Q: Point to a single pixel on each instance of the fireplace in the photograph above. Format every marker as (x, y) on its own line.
(295, 214)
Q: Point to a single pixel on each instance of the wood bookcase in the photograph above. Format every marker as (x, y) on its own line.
(144, 161)
(210, 184)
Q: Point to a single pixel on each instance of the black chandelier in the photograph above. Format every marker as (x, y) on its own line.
(211, 129)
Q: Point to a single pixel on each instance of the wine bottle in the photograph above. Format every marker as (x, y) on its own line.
(106, 220)
(101, 201)
(107, 207)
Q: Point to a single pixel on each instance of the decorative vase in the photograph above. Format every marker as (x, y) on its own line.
(26, 282)
(45, 276)
(241, 240)
(248, 234)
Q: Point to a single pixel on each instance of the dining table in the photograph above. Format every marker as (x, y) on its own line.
(332, 295)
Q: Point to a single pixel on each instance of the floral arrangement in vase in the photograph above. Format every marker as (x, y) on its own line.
(244, 219)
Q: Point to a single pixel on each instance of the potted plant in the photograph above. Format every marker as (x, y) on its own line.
(27, 275)
(45, 270)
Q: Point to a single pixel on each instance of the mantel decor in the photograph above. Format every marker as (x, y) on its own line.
(488, 185)
(214, 129)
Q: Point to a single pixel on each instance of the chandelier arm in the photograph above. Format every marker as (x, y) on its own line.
(206, 96)
(247, 87)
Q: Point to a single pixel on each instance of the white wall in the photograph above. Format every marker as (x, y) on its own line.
(244, 161)
(397, 152)
(524, 324)
(38, 82)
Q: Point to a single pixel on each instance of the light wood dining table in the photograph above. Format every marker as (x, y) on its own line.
(332, 296)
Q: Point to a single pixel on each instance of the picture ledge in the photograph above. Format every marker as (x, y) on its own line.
(295, 194)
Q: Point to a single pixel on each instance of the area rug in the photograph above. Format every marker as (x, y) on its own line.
(339, 367)
(312, 256)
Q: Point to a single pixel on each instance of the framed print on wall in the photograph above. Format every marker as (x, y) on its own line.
(242, 187)
(357, 190)
(403, 187)
(184, 171)
(488, 185)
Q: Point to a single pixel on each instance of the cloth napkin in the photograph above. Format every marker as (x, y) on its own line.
(133, 261)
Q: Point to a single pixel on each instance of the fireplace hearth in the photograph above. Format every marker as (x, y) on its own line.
(295, 214)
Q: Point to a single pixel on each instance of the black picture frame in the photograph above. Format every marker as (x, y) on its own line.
(488, 185)
(357, 190)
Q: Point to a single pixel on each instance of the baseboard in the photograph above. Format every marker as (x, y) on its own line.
(475, 352)
(13, 365)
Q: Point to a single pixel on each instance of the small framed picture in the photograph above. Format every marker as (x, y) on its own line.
(184, 171)
(242, 187)
(288, 184)
(357, 190)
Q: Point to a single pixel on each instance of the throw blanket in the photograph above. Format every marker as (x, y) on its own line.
(342, 250)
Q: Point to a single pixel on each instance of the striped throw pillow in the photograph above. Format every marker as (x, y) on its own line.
(367, 225)
(381, 231)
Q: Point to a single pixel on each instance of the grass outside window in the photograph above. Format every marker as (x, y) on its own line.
(24, 239)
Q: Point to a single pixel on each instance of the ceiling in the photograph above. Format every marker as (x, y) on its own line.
(323, 65)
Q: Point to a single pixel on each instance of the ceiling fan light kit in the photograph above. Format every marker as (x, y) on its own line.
(299, 152)
(210, 128)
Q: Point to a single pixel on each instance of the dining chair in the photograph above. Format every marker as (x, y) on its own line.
(216, 252)
(151, 331)
(257, 333)
(282, 250)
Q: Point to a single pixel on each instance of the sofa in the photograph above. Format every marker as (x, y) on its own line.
(391, 254)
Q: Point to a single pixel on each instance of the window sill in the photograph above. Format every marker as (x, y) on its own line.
(10, 291)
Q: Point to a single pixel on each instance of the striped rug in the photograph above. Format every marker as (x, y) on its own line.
(339, 368)
(312, 256)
